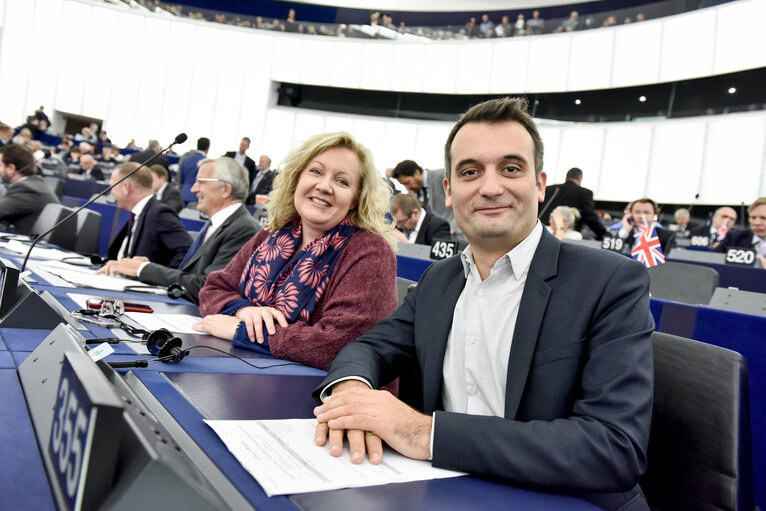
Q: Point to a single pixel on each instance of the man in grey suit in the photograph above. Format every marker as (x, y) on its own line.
(523, 358)
(27, 193)
(428, 187)
(220, 188)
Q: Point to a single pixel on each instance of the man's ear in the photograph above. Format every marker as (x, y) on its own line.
(541, 180)
(447, 193)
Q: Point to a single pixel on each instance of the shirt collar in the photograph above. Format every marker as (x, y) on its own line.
(140, 205)
(420, 220)
(220, 217)
(520, 256)
(161, 190)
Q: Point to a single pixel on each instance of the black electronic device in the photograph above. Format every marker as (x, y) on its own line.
(107, 443)
(32, 309)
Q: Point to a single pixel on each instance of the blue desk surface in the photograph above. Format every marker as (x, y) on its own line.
(23, 484)
(255, 394)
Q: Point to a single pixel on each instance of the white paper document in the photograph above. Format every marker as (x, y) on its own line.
(282, 457)
(176, 323)
(84, 277)
(40, 252)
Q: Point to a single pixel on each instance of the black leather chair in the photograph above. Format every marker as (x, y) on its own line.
(683, 282)
(699, 449)
(80, 233)
(403, 287)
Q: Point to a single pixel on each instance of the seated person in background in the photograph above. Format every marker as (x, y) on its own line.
(154, 230)
(27, 193)
(644, 210)
(682, 227)
(106, 159)
(524, 359)
(322, 272)
(723, 219)
(165, 192)
(754, 237)
(562, 220)
(89, 169)
(414, 224)
(221, 185)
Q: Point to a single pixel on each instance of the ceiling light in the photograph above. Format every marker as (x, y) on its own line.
(577, 102)
(732, 90)
(642, 99)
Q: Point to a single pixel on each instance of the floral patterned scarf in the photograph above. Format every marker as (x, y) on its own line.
(291, 282)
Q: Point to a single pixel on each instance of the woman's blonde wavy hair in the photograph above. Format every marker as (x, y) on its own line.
(372, 198)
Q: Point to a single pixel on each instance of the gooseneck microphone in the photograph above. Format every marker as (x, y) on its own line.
(180, 139)
(549, 203)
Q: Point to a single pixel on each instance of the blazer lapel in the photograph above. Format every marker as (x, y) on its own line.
(438, 313)
(136, 237)
(534, 301)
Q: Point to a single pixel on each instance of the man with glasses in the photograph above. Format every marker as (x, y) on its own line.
(220, 187)
(723, 219)
(414, 224)
(754, 237)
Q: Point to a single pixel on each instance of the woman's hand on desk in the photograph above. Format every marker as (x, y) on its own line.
(256, 317)
(128, 266)
(218, 325)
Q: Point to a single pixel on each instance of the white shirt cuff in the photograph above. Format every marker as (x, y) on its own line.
(141, 268)
(623, 233)
(326, 391)
(431, 445)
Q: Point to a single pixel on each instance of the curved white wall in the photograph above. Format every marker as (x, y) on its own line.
(152, 77)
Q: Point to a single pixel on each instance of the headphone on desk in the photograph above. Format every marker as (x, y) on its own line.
(161, 343)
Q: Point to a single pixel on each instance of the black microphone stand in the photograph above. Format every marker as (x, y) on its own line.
(180, 139)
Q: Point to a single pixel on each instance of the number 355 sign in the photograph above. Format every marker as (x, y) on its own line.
(69, 445)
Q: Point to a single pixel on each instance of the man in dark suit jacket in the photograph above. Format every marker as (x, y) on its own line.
(27, 193)
(188, 166)
(263, 182)
(165, 192)
(723, 219)
(529, 360)
(754, 237)
(570, 193)
(149, 153)
(155, 232)
(243, 159)
(89, 168)
(414, 224)
(221, 186)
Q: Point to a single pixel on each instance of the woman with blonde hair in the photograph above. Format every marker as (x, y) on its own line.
(322, 271)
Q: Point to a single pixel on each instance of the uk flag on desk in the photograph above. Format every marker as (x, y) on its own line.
(647, 248)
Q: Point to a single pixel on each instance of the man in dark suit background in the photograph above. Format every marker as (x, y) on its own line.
(264, 180)
(220, 188)
(414, 224)
(524, 358)
(165, 192)
(154, 231)
(426, 185)
(753, 237)
(89, 169)
(188, 166)
(27, 193)
(149, 153)
(571, 193)
(722, 221)
(243, 159)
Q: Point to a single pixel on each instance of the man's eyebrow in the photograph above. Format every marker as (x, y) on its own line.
(507, 157)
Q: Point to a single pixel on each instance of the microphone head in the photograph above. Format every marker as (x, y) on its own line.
(180, 138)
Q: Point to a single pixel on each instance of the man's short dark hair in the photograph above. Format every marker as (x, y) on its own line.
(406, 168)
(159, 171)
(246, 138)
(203, 143)
(574, 173)
(497, 111)
(645, 200)
(19, 157)
(404, 203)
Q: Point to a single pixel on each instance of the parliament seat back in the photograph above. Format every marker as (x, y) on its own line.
(683, 282)
(700, 449)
